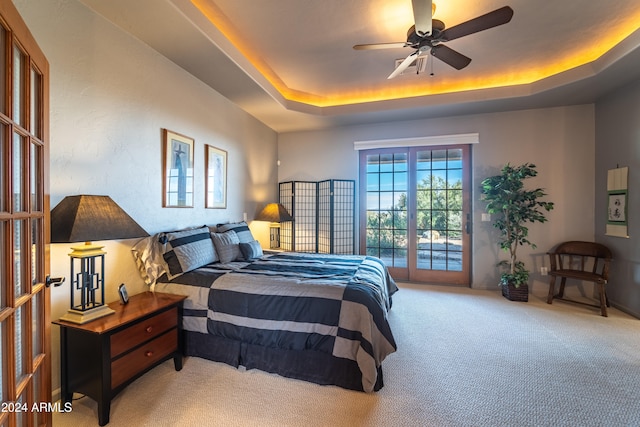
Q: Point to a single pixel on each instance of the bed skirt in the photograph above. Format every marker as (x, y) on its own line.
(308, 365)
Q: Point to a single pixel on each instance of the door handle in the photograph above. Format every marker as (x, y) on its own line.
(467, 226)
(55, 281)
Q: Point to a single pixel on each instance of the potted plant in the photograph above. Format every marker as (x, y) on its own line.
(514, 207)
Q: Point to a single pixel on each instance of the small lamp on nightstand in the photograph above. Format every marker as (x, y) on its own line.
(274, 213)
(83, 219)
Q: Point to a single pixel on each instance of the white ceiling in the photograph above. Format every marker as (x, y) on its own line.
(290, 63)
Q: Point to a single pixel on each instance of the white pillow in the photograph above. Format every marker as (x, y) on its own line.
(147, 253)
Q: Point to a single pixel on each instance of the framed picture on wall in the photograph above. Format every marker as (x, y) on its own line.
(617, 209)
(215, 177)
(177, 164)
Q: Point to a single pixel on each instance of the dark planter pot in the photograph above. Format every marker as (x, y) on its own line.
(512, 293)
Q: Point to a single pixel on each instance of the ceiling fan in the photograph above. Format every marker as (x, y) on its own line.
(428, 35)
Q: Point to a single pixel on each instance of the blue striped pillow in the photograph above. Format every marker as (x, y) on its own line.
(251, 250)
(241, 228)
(187, 250)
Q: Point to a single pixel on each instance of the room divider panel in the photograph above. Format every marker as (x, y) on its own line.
(323, 216)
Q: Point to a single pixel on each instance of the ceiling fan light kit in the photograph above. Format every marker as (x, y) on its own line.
(429, 37)
(419, 66)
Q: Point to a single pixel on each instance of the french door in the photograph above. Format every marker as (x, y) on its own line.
(25, 371)
(415, 211)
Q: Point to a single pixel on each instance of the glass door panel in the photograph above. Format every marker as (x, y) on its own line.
(18, 255)
(4, 170)
(20, 368)
(439, 214)
(18, 173)
(37, 326)
(35, 181)
(36, 251)
(3, 383)
(442, 178)
(19, 89)
(35, 106)
(416, 204)
(3, 71)
(37, 416)
(21, 417)
(4, 273)
(386, 207)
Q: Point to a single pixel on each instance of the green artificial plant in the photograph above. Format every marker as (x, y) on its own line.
(514, 206)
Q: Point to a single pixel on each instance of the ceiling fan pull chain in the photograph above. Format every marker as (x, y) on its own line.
(431, 65)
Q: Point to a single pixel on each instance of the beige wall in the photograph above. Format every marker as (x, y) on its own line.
(110, 97)
(560, 141)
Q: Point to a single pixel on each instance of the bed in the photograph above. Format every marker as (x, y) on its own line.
(315, 317)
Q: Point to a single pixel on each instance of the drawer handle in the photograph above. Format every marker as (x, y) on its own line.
(149, 353)
(149, 329)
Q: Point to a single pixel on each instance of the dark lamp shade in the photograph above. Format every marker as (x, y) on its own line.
(87, 218)
(274, 212)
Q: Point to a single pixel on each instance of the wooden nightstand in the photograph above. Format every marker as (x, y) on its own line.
(102, 357)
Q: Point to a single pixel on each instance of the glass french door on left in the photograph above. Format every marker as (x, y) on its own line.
(25, 363)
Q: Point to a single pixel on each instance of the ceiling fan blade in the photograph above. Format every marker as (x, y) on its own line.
(422, 16)
(374, 46)
(489, 20)
(404, 64)
(450, 56)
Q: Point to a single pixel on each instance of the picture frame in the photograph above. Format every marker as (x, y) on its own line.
(124, 296)
(177, 166)
(617, 207)
(215, 177)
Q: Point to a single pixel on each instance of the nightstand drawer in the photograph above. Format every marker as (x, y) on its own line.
(143, 331)
(141, 358)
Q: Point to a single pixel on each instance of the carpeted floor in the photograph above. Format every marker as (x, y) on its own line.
(465, 358)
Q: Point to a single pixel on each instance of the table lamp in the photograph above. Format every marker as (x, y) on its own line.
(85, 218)
(274, 213)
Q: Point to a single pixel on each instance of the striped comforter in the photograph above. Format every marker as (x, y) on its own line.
(295, 301)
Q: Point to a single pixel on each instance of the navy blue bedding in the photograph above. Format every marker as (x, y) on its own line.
(328, 307)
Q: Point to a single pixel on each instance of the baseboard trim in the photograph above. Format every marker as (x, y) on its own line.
(624, 309)
(56, 395)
